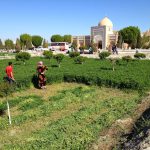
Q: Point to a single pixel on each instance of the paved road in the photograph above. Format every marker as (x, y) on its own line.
(121, 53)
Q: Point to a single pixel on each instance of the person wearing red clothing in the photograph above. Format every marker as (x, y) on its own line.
(41, 75)
(9, 72)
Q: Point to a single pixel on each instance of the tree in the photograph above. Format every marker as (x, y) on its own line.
(79, 60)
(67, 38)
(130, 35)
(18, 45)
(94, 47)
(45, 44)
(139, 41)
(48, 54)
(23, 56)
(26, 40)
(1, 44)
(74, 45)
(9, 44)
(103, 55)
(59, 58)
(37, 40)
(57, 38)
(114, 62)
(145, 42)
(28, 45)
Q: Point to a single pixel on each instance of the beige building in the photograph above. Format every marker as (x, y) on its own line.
(103, 34)
(147, 33)
(81, 40)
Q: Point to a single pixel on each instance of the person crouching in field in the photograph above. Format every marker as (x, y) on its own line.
(41, 75)
(9, 74)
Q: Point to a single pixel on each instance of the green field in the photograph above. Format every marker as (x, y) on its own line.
(64, 116)
(70, 115)
(134, 75)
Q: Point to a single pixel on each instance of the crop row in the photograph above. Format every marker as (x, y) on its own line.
(79, 129)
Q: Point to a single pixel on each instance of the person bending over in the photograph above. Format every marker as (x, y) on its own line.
(9, 73)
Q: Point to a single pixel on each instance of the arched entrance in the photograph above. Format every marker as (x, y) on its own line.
(100, 44)
(98, 40)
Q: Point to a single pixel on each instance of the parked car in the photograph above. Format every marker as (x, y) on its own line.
(40, 48)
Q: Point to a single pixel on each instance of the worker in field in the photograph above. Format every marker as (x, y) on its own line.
(9, 73)
(41, 69)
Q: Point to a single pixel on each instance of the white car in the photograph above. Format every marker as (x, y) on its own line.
(40, 48)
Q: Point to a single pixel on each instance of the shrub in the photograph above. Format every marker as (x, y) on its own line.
(82, 48)
(74, 54)
(48, 54)
(127, 58)
(139, 55)
(103, 55)
(59, 58)
(6, 89)
(79, 60)
(23, 56)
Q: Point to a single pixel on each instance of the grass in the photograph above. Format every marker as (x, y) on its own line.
(7, 54)
(134, 75)
(64, 116)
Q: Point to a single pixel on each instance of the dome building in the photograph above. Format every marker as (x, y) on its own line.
(103, 34)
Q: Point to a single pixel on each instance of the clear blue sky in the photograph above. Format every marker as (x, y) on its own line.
(47, 17)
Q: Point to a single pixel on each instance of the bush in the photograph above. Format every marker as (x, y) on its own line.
(127, 58)
(103, 55)
(79, 60)
(82, 48)
(139, 55)
(74, 54)
(59, 58)
(22, 56)
(48, 54)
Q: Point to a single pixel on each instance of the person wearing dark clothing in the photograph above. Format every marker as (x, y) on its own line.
(114, 49)
(41, 75)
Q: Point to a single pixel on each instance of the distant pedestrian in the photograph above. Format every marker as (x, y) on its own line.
(114, 49)
(41, 75)
(9, 73)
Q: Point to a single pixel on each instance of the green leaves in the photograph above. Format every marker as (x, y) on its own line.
(130, 35)
(37, 40)
(26, 40)
(23, 56)
(103, 55)
(48, 54)
(9, 44)
(59, 58)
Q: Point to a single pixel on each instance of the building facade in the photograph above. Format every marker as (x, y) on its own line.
(81, 40)
(102, 35)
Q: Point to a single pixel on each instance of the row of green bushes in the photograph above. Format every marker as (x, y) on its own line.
(103, 55)
(132, 75)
